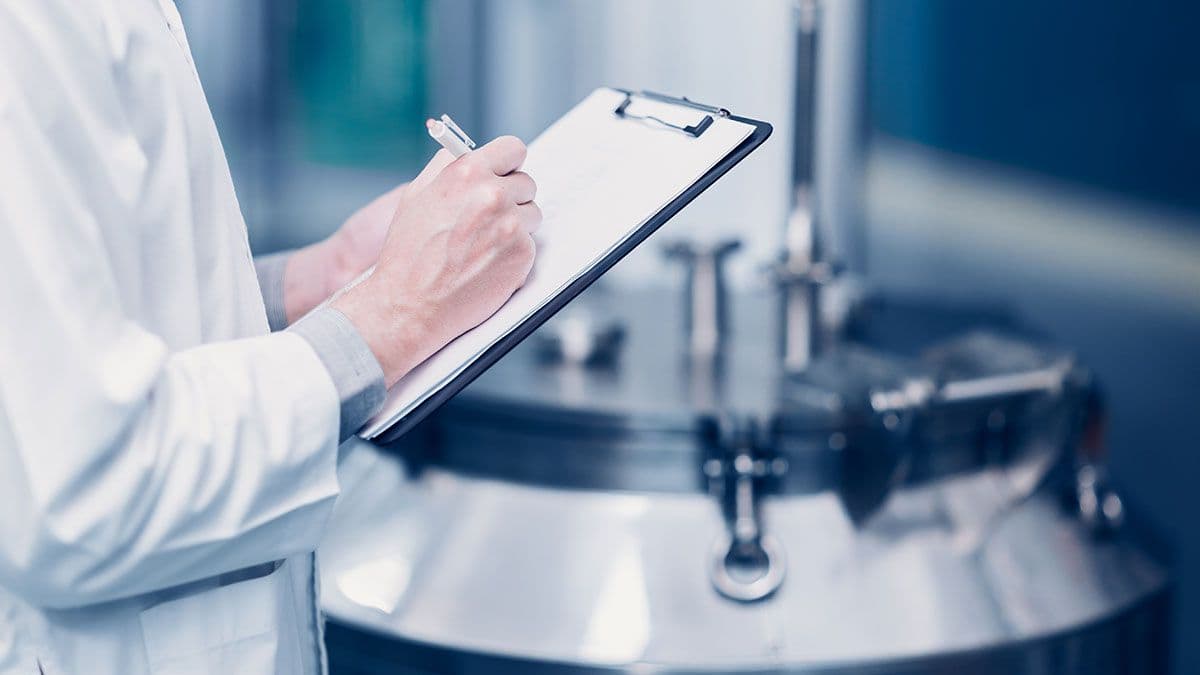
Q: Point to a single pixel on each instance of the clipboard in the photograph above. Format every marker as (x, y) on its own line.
(627, 112)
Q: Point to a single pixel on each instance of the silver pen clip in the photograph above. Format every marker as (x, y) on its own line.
(454, 129)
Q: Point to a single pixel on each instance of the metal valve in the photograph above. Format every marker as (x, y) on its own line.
(746, 563)
(706, 315)
(799, 274)
(1099, 505)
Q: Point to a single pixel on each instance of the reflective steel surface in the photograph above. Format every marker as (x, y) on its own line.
(454, 565)
(913, 502)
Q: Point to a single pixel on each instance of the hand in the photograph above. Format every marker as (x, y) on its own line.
(459, 245)
(316, 272)
(356, 244)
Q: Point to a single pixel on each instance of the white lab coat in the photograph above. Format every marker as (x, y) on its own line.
(153, 434)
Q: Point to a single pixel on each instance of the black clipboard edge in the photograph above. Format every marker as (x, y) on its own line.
(762, 130)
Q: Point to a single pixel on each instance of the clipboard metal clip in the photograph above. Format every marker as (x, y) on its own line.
(693, 130)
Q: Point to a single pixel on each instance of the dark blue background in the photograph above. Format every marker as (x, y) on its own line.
(1103, 95)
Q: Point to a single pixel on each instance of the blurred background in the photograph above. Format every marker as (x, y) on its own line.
(1043, 157)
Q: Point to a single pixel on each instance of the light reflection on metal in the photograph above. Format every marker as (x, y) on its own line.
(378, 584)
(802, 268)
(920, 529)
(917, 393)
(619, 627)
(900, 589)
(578, 337)
(706, 314)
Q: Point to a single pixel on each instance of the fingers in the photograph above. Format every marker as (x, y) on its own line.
(502, 156)
(530, 217)
(389, 200)
(440, 160)
(523, 252)
(519, 187)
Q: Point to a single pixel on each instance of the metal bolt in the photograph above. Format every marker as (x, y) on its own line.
(1112, 508)
(712, 468)
(837, 441)
(760, 467)
(743, 464)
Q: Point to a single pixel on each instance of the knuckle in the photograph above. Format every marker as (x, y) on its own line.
(492, 197)
(523, 246)
(527, 251)
(466, 170)
(514, 145)
(532, 217)
(529, 185)
(507, 228)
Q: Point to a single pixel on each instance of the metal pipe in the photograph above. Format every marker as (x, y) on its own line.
(706, 319)
(798, 274)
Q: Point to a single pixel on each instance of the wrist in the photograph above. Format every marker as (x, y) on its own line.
(303, 285)
(337, 268)
(399, 336)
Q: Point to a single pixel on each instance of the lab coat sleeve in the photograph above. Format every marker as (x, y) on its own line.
(125, 468)
(270, 270)
(356, 372)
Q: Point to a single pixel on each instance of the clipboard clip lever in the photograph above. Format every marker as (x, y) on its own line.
(693, 130)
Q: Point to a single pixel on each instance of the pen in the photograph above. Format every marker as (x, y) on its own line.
(452, 138)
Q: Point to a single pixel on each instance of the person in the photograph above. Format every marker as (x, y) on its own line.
(167, 462)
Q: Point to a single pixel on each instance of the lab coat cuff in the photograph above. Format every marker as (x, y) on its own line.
(352, 365)
(270, 269)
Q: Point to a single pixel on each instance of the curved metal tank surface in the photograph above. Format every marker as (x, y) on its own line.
(611, 579)
(566, 524)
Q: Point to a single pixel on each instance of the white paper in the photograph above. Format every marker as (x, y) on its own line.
(600, 177)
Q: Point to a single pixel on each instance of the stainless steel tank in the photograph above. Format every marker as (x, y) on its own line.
(916, 501)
